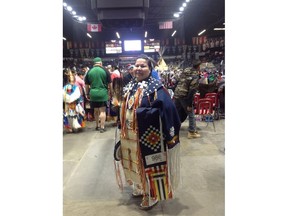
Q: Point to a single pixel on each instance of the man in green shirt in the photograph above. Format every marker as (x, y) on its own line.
(97, 84)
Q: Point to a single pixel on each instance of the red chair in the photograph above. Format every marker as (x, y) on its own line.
(215, 99)
(205, 111)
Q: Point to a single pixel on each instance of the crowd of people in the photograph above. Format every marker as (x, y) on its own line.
(149, 107)
(207, 79)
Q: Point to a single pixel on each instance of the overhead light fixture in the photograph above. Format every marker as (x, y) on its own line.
(145, 34)
(69, 8)
(219, 29)
(64, 38)
(79, 18)
(181, 9)
(117, 34)
(89, 35)
(73, 13)
(201, 32)
(173, 33)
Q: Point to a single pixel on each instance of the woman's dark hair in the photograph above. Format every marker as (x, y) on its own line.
(80, 72)
(117, 86)
(115, 67)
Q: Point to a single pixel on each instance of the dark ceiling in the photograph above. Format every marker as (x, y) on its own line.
(198, 15)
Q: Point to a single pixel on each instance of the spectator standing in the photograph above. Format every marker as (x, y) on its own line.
(85, 69)
(184, 96)
(115, 72)
(129, 75)
(89, 112)
(98, 83)
(79, 81)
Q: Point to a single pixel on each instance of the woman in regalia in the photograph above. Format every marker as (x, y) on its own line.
(147, 138)
(74, 113)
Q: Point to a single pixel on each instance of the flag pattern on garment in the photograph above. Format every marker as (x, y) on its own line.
(166, 25)
(94, 27)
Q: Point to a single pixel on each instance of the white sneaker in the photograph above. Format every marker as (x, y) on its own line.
(147, 203)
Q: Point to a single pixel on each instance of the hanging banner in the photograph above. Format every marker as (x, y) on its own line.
(103, 52)
(76, 53)
(97, 52)
(179, 49)
(87, 53)
(71, 52)
(81, 52)
(75, 45)
(92, 53)
(168, 50)
(200, 40)
(69, 45)
(174, 50)
(222, 43)
(184, 48)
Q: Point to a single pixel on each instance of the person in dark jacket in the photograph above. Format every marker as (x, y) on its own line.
(184, 95)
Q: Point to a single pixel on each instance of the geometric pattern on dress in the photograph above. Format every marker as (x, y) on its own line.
(158, 181)
(151, 138)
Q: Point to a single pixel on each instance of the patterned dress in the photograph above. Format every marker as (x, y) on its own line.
(148, 145)
(73, 115)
